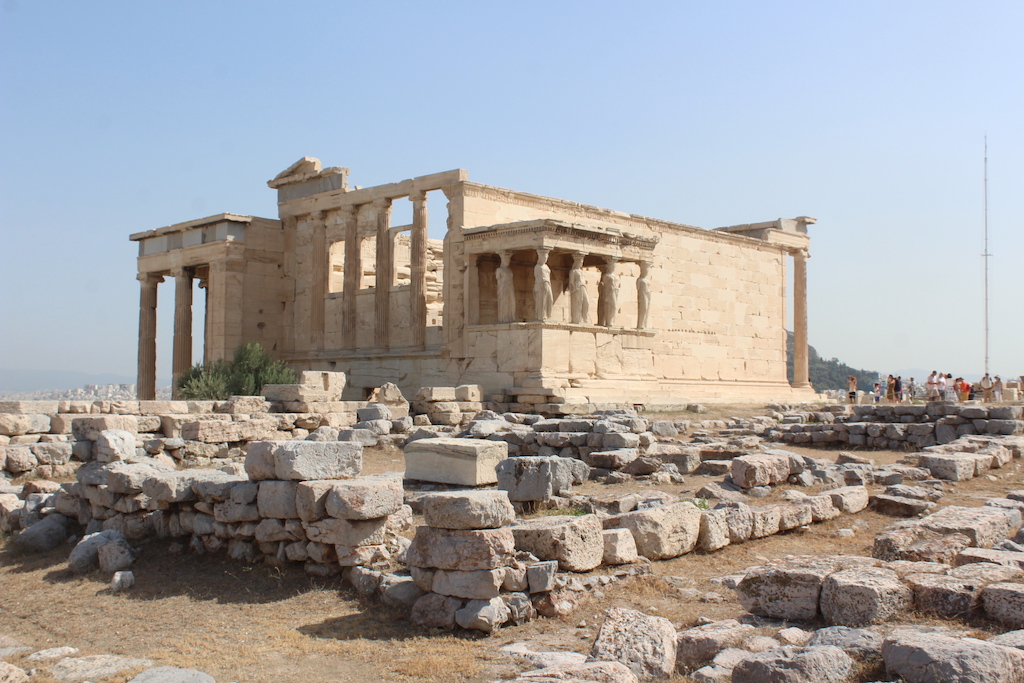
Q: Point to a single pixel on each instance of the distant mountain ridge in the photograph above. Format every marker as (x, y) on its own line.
(29, 380)
(828, 374)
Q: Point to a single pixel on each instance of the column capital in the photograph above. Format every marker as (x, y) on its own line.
(382, 203)
(183, 271)
(150, 278)
(349, 210)
(804, 253)
(417, 196)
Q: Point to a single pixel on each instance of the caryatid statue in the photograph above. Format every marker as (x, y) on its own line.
(643, 296)
(608, 306)
(579, 300)
(543, 298)
(506, 290)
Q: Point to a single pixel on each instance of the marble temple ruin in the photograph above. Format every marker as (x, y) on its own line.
(537, 300)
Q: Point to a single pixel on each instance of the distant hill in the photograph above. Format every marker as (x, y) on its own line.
(22, 381)
(828, 374)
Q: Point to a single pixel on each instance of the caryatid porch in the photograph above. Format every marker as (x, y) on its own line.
(540, 279)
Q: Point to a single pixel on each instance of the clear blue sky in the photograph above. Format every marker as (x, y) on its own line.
(119, 117)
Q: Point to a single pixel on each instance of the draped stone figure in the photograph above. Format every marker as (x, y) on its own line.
(543, 298)
(643, 296)
(506, 290)
(609, 303)
(579, 300)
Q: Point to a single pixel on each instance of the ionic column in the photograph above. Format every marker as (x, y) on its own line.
(385, 266)
(352, 276)
(204, 284)
(182, 354)
(801, 376)
(146, 382)
(418, 268)
(318, 287)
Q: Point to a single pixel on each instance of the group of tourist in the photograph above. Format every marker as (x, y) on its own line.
(938, 387)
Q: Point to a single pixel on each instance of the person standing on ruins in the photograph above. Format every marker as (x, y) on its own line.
(898, 388)
(986, 388)
(890, 389)
(997, 390)
(911, 390)
(933, 387)
(851, 389)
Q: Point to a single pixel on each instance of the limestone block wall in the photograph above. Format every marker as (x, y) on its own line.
(716, 326)
(900, 426)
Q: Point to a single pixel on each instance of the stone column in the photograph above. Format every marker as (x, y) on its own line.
(643, 296)
(146, 382)
(579, 299)
(384, 268)
(543, 298)
(353, 275)
(204, 284)
(418, 268)
(182, 354)
(801, 376)
(318, 286)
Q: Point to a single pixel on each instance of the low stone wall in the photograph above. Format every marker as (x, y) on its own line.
(50, 439)
(898, 426)
(941, 564)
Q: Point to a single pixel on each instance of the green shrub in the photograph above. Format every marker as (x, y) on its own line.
(246, 373)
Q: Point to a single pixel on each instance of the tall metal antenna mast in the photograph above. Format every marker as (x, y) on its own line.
(985, 255)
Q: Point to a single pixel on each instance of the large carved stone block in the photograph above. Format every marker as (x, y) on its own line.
(469, 462)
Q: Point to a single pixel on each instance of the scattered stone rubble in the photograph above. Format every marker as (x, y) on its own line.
(64, 664)
(299, 497)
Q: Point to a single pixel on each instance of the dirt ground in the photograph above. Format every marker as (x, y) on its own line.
(258, 623)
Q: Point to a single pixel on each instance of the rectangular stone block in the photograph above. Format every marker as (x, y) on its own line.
(619, 546)
(347, 532)
(983, 525)
(849, 499)
(276, 499)
(310, 460)
(212, 431)
(951, 466)
(364, 498)
(661, 532)
(311, 499)
(575, 542)
(468, 510)
(468, 462)
(463, 550)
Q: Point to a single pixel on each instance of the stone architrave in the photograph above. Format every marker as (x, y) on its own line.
(506, 290)
(643, 296)
(544, 300)
(579, 299)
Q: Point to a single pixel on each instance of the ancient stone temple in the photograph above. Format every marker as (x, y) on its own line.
(537, 300)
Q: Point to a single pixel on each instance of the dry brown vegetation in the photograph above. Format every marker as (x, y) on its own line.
(258, 623)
